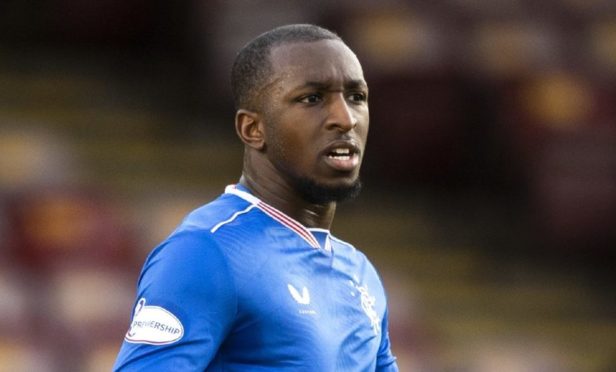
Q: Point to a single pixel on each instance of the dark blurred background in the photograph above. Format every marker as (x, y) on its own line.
(490, 179)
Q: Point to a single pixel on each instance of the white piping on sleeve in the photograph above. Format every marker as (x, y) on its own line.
(233, 217)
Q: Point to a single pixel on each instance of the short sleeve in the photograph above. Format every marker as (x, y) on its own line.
(185, 305)
(386, 361)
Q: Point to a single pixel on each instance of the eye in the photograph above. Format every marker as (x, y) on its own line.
(358, 97)
(311, 98)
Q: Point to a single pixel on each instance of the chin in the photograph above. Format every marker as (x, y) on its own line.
(318, 193)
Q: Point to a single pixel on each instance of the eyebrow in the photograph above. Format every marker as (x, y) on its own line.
(349, 84)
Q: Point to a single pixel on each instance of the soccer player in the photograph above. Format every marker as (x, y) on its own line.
(254, 280)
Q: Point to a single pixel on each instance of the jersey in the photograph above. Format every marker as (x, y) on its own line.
(241, 286)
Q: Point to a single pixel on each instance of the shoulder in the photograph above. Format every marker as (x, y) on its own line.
(212, 238)
(184, 257)
(349, 255)
(347, 250)
(216, 213)
(193, 244)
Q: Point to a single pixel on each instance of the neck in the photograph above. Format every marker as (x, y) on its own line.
(282, 196)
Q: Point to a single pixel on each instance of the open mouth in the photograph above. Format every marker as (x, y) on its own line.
(340, 154)
(343, 157)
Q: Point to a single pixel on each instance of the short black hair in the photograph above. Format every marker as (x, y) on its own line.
(252, 65)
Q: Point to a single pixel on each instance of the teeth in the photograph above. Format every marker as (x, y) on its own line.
(340, 153)
(343, 157)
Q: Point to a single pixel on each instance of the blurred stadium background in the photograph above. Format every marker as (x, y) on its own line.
(490, 199)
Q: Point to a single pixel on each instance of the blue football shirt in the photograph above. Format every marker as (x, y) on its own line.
(240, 286)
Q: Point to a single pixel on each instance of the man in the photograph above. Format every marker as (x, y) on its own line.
(254, 280)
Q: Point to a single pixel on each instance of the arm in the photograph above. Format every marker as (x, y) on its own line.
(185, 306)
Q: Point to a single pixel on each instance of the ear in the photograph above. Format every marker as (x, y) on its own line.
(250, 128)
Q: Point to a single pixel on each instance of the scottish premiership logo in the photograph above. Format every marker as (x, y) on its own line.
(153, 325)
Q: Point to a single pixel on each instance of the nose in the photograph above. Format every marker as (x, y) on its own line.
(341, 117)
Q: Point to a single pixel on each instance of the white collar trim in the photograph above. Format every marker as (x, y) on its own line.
(276, 214)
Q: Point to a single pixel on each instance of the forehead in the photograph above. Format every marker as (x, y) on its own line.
(323, 61)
